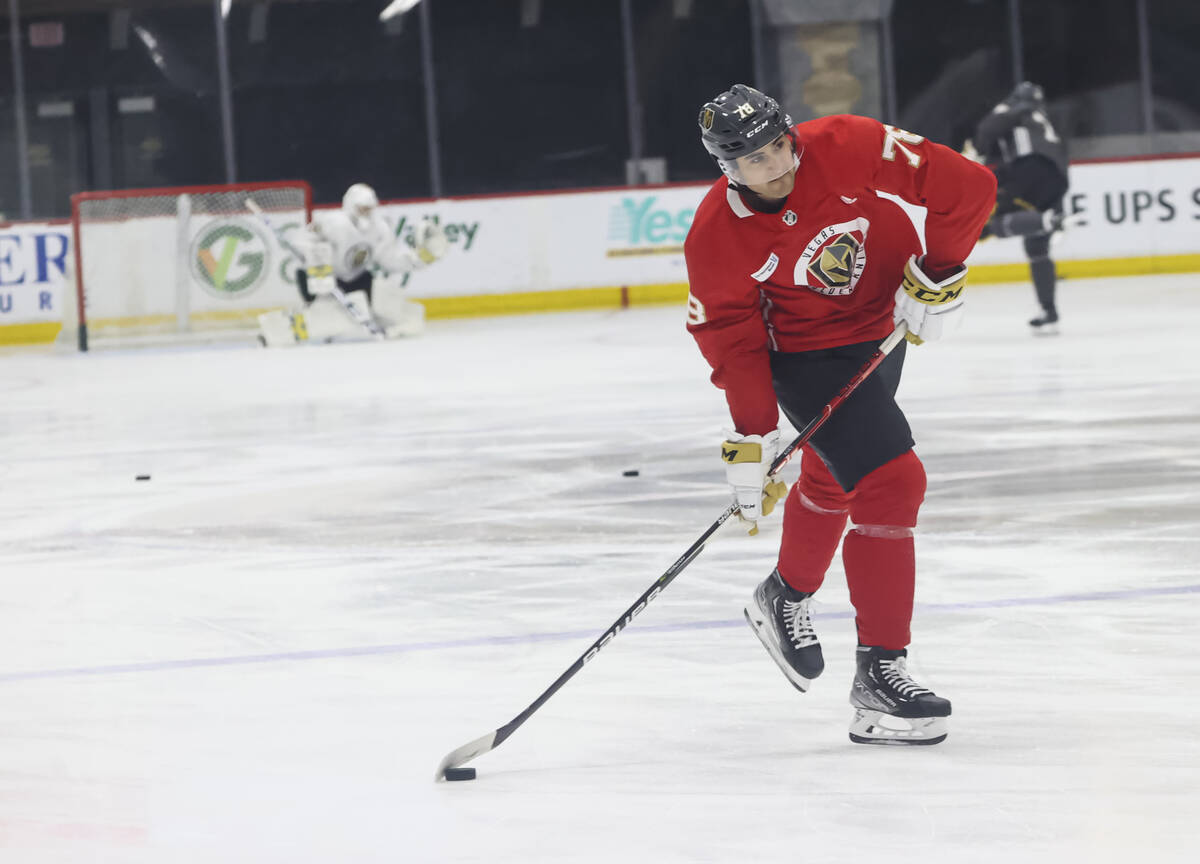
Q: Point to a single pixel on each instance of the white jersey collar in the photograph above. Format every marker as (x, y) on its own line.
(736, 204)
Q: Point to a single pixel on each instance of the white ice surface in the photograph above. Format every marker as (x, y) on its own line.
(352, 559)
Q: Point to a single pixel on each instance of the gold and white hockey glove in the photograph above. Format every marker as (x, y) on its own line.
(747, 460)
(930, 308)
(318, 267)
(431, 241)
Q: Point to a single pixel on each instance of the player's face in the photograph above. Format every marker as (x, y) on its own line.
(360, 215)
(769, 171)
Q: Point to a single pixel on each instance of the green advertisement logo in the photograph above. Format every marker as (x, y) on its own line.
(231, 257)
(643, 226)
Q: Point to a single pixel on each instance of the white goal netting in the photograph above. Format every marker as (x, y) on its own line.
(179, 262)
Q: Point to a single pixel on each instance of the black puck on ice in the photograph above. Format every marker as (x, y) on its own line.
(142, 477)
(631, 473)
(459, 773)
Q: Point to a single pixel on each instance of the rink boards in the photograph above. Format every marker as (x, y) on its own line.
(617, 247)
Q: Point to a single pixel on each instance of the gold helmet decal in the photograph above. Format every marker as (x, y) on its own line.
(707, 117)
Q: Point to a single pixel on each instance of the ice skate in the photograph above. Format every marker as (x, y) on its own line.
(1045, 324)
(779, 616)
(891, 708)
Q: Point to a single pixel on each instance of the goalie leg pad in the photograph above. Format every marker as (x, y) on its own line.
(411, 321)
(399, 316)
(327, 321)
(280, 329)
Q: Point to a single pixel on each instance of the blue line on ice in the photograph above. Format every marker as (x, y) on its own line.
(526, 638)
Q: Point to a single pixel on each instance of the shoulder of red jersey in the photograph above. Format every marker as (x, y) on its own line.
(836, 130)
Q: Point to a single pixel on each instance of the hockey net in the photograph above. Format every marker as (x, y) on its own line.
(181, 262)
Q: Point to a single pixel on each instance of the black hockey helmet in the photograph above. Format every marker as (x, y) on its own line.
(740, 121)
(1027, 93)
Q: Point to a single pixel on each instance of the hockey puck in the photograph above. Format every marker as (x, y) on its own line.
(142, 477)
(631, 473)
(459, 773)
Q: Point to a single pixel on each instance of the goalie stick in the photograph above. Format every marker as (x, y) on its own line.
(363, 319)
(461, 755)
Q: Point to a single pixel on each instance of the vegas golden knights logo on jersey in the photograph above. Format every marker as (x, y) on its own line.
(834, 259)
(834, 265)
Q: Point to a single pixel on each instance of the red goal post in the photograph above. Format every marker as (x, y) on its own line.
(181, 260)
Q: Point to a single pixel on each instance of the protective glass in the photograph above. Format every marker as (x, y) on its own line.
(763, 165)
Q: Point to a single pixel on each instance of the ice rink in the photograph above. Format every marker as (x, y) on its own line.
(350, 560)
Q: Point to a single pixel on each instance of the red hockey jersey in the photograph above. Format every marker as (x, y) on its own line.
(823, 271)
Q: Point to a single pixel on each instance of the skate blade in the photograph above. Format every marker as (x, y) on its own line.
(759, 625)
(1046, 330)
(875, 727)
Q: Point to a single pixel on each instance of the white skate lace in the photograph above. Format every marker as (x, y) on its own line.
(799, 624)
(895, 675)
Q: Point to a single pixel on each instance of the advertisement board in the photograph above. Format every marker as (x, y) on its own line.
(33, 264)
(587, 248)
(1129, 211)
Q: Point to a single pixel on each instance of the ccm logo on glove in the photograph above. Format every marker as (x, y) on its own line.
(929, 308)
(747, 461)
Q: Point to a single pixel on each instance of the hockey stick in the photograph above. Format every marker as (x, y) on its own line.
(356, 313)
(449, 768)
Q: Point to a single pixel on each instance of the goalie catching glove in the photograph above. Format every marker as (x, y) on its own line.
(747, 460)
(929, 308)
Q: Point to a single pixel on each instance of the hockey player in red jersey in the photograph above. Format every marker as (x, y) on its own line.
(797, 271)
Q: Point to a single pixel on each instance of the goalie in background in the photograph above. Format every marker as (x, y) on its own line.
(356, 250)
(1017, 142)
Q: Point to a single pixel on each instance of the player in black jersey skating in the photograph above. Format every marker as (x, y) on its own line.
(1021, 147)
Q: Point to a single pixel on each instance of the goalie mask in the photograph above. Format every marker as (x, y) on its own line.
(741, 129)
(360, 202)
